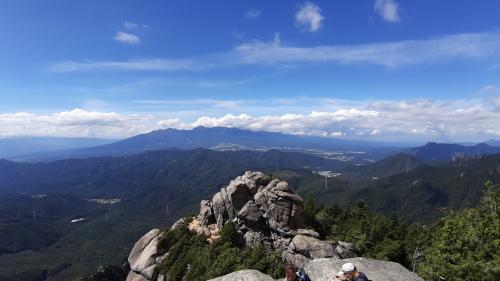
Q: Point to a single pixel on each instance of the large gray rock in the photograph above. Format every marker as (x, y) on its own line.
(297, 260)
(144, 253)
(279, 206)
(178, 223)
(149, 273)
(132, 276)
(307, 232)
(346, 250)
(250, 213)
(206, 215)
(311, 247)
(244, 275)
(257, 203)
(238, 194)
(376, 270)
(230, 200)
(254, 180)
(254, 239)
(219, 209)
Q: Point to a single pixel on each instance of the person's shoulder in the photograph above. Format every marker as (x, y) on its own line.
(362, 277)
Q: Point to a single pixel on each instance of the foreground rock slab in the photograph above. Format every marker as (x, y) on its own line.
(244, 275)
(326, 269)
(376, 270)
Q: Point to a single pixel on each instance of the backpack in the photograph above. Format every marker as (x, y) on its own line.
(302, 276)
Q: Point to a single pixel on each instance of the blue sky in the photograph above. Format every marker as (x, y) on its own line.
(370, 69)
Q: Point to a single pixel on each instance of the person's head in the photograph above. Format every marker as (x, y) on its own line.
(349, 270)
(290, 272)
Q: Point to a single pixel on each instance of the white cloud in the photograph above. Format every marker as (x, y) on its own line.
(127, 38)
(388, 10)
(491, 94)
(74, 123)
(396, 120)
(136, 65)
(391, 54)
(130, 25)
(309, 17)
(253, 14)
(388, 54)
(411, 120)
(136, 26)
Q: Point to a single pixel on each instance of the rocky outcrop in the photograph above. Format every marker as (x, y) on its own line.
(143, 257)
(256, 200)
(266, 212)
(326, 269)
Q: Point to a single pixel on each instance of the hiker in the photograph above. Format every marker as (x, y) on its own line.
(292, 275)
(350, 273)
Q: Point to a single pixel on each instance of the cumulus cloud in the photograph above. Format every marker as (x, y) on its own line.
(309, 17)
(389, 54)
(424, 120)
(127, 38)
(253, 14)
(396, 120)
(388, 10)
(74, 123)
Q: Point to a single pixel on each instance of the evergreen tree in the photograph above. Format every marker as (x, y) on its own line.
(466, 245)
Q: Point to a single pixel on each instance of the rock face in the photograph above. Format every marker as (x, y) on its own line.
(142, 258)
(326, 269)
(256, 200)
(266, 212)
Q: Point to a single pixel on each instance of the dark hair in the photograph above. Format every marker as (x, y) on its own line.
(288, 266)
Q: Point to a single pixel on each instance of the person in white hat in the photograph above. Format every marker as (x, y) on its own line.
(350, 273)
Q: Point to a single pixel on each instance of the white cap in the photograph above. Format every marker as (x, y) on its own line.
(347, 267)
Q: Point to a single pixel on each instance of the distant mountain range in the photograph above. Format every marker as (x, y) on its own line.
(493, 142)
(19, 146)
(221, 138)
(230, 139)
(445, 151)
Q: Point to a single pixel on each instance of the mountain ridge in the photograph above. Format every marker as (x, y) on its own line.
(203, 137)
(447, 151)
